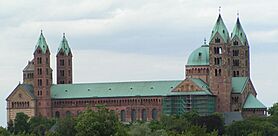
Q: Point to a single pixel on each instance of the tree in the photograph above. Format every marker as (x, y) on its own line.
(39, 125)
(10, 126)
(98, 123)
(250, 126)
(197, 131)
(174, 123)
(274, 109)
(21, 123)
(4, 132)
(66, 126)
(211, 123)
(137, 129)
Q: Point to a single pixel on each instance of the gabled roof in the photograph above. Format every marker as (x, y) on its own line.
(113, 89)
(204, 89)
(29, 89)
(26, 87)
(42, 44)
(221, 29)
(201, 84)
(239, 83)
(252, 102)
(29, 67)
(64, 46)
(239, 33)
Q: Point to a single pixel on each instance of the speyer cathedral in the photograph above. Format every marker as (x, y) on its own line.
(217, 80)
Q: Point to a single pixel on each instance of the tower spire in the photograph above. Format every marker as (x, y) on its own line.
(239, 32)
(42, 44)
(64, 62)
(221, 29)
(64, 45)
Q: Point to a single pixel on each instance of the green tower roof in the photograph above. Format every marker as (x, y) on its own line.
(64, 45)
(199, 57)
(238, 32)
(221, 29)
(42, 43)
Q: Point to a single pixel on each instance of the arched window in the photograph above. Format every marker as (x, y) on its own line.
(123, 115)
(57, 114)
(133, 115)
(68, 113)
(144, 115)
(217, 40)
(154, 114)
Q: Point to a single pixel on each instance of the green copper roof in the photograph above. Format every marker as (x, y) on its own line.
(238, 32)
(252, 102)
(190, 93)
(114, 89)
(199, 82)
(238, 84)
(199, 57)
(42, 43)
(64, 46)
(221, 29)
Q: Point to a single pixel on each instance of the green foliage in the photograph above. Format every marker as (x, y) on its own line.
(21, 123)
(137, 129)
(49, 133)
(4, 132)
(252, 126)
(196, 131)
(174, 123)
(156, 125)
(39, 125)
(98, 123)
(10, 126)
(65, 126)
(212, 123)
(274, 109)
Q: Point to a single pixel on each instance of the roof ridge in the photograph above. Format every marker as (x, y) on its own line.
(122, 82)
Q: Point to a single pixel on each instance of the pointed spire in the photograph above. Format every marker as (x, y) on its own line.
(64, 46)
(238, 32)
(42, 43)
(220, 28)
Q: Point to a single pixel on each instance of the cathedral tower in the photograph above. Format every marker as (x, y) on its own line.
(42, 77)
(219, 65)
(240, 52)
(64, 63)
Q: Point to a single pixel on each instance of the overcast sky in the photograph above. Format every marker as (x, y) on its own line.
(127, 40)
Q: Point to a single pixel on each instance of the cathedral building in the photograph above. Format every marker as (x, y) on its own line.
(217, 80)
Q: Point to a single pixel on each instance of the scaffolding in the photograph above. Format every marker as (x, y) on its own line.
(179, 104)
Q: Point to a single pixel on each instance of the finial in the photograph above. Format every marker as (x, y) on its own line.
(237, 14)
(205, 41)
(64, 34)
(219, 9)
(41, 31)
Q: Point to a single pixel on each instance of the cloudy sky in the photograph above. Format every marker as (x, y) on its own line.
(124, 40)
